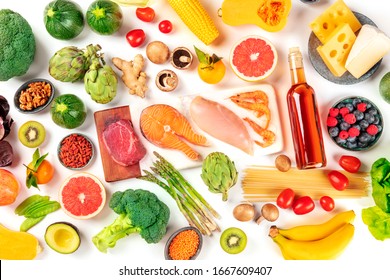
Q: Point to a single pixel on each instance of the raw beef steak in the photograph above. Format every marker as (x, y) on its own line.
(122, 143)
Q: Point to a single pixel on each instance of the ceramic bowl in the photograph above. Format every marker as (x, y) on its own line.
(76, 138)
(24, 87)
(171, 238)
(359, 123)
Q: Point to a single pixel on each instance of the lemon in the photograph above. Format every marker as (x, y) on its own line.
(384, 87)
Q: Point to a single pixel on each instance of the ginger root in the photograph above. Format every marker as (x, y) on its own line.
(132, 75)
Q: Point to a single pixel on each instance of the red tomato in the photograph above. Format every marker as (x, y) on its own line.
(350, 163)
(327, 203)
(285, 199)
(145, 14)
(135, 37)
(303, 205)
(338, 180)
(165, 26)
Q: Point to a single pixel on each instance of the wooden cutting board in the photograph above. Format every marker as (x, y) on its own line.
(112, 170)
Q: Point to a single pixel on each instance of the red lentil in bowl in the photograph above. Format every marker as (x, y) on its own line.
(184, 244)
(75, 151)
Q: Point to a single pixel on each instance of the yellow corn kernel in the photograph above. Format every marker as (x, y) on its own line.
(193, 14)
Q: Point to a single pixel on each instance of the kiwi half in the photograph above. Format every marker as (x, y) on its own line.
(32, 134)
(233, 240)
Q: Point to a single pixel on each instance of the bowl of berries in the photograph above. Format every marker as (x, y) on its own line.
(354, 123)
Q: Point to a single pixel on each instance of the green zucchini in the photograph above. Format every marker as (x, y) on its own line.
(104, 17)
(63, 19)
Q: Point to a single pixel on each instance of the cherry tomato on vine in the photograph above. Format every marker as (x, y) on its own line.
(303, 205)
(135, 37)
(350, 163)
(327, 203)
(145, 14)
(338, 180)
(165, 26)
(285, 199)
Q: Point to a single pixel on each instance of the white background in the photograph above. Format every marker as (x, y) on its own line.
(365, 256)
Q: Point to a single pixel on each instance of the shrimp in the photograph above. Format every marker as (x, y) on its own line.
(267, 135)
(255, 96)
(260, 108)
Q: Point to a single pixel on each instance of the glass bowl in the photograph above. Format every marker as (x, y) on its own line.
(182, 243)
(354, 123)
(75, 151)
(37, 102)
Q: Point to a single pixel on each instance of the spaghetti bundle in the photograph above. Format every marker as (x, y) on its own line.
(261, 183)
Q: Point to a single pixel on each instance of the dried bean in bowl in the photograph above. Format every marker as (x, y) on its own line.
(75, 151)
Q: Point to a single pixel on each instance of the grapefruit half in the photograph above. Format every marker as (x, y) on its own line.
(82, 196)
(253, 58)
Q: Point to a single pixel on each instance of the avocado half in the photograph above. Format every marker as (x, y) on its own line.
(63, 237)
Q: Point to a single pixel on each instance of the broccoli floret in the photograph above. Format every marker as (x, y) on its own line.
(140, 211)
(17, 45)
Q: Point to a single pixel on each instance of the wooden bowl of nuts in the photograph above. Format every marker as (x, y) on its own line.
(34, 96)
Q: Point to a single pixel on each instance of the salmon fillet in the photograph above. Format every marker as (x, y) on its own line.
(166, 127)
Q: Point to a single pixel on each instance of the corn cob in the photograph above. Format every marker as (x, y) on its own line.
(193, 14)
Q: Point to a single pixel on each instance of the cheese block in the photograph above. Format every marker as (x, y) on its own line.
(335, 51)
(337, 14)
(371, 45)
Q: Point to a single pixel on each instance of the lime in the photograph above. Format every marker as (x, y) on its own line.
(384, 87)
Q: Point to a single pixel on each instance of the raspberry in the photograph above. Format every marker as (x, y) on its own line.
(361, 107)
(353, 132)
(333, 112)
(331, 121)
(344, 111)
(350, 118)
(343, 134)
(372, 129)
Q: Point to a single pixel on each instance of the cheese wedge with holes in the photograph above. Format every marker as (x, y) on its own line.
(371, 45)
(335, 51)
(337, 14)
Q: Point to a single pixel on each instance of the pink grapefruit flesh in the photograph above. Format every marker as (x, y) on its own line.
(253, 58)
(82, 196)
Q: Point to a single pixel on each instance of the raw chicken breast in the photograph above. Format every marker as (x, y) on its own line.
(221, 123)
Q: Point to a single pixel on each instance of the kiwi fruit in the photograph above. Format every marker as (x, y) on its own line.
(32, 134)
(233, 240)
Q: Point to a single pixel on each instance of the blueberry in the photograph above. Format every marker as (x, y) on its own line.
(340, 141)
(356, 101)
(334, 131)
(365, 137)
(364, 124)
(358, 115)
(369, 117)
(376, 120)
(357, 127)
(344, 125)
(379, 128)
(352, 145)
(362, 145)
(352, 139)
(369, 105)
(373, 111)
(340, 105)
(350, 107)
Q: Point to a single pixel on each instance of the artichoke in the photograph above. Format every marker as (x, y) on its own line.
(100, 81)
(70, 64)
(219, 173)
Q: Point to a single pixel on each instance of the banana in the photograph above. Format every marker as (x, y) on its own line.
(319, 231)
(327, 248)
